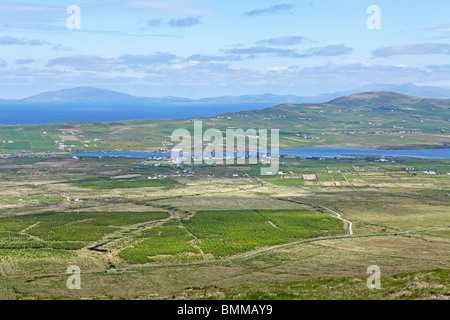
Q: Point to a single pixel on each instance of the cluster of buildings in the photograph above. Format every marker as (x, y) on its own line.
(26, 155)
(157, 177)
(184, 173)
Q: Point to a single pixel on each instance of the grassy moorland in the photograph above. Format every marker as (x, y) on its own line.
(222, 236)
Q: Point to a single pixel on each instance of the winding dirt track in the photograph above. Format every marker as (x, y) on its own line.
(338, 215)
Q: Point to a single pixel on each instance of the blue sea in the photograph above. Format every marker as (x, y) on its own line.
(325, 152)
(331, 152)
(13, 113)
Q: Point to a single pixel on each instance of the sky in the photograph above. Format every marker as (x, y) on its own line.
(206, 48)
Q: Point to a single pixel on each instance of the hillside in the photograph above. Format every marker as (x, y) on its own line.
(81, 95)
(368, 120)
(364, 111)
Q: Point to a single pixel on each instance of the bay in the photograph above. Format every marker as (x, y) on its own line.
(319, 152)
(16, 113)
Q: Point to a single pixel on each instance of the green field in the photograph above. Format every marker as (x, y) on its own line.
(170, 241)
(111, 184)
(66, 230)
(223, 234)
(226, 233)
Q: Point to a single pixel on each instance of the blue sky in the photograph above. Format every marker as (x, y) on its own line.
(199, 48)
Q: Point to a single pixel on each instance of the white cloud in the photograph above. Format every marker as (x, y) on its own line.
(8, 41)
(199, 71)
(279, 8)
(282, 41)
(410, 49)
(331, 50)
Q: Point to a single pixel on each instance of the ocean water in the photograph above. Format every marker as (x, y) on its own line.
(12, 113)
(331, 152)
(325, 152)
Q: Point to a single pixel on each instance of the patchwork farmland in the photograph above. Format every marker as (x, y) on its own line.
(223, 228)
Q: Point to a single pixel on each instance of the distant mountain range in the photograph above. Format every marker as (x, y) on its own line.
(96, 95)
(91, 94)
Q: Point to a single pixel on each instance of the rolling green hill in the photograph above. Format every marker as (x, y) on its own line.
(371, 120)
